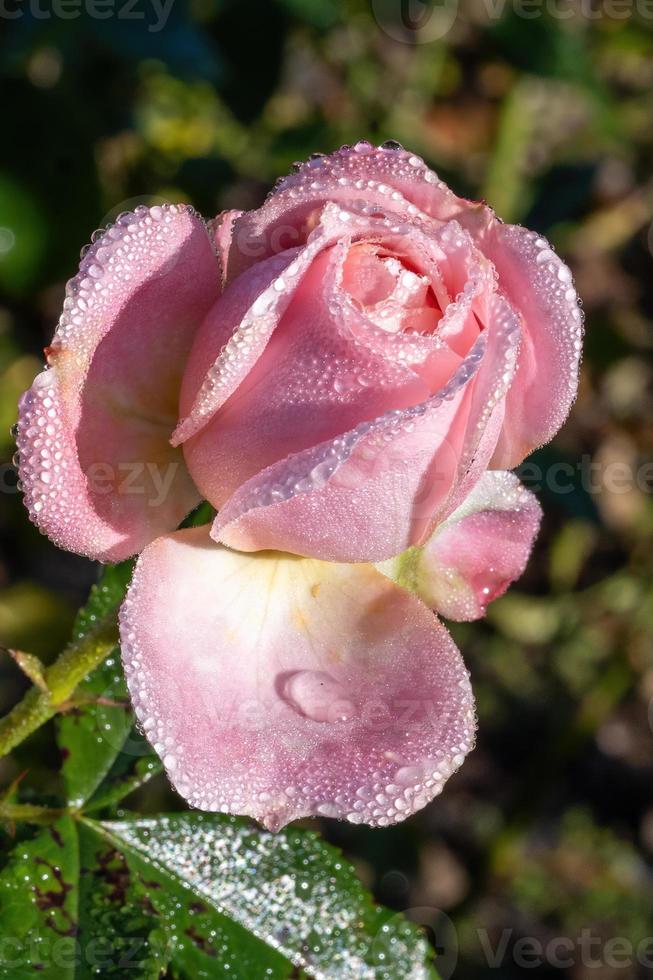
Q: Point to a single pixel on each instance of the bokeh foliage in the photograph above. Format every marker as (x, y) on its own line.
(548, 828)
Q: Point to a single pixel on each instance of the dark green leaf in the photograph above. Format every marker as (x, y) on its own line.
(125, 776)
(104, 597)
(71, 909)
(120, 932)
(208, 894)
(204, 513)
(39, 906)
(206, 942)
(91, 735)
(291, 892)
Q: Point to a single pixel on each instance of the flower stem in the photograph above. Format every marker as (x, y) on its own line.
(61, 678)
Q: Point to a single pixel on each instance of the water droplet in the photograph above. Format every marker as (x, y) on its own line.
(318, 696)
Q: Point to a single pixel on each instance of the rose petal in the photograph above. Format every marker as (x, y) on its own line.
(540, 288)
(220, 229)
(230, 341)
(312, 382)
(240, 327)
(476, 553)
(283, 688)
(532, 278)
(99, 475)
(378, 489)
(393, 178)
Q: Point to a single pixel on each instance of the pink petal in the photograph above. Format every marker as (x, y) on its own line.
(230, 341)
(240, 327)
(312, 382)
(99, 475)
(283, 688)
(375, 491)
(393, 178)
(530, 276)
(539, 286)
(220, 229)
(476, 553)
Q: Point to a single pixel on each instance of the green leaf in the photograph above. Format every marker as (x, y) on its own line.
(298, 899)
(206, 941)
(204, 513)
(202, 894)
(72, 909)
(125, 777)
(120, 932)
(104, 597)
(39, 904)
(91, 735)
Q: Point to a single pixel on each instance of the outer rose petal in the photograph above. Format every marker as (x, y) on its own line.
(99, 474)
(477, 553)
(539, 286)
(378, 489)
(282, 688)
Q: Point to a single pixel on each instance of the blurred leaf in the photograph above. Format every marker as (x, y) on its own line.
(319, 13)
(22, 236)
(33, 618)
(13, 382)
(144, 30)
(525, 618)
(507, 185)
(569, 552)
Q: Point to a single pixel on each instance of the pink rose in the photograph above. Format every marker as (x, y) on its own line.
(334, 372)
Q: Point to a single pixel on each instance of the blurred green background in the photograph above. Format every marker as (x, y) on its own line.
(548, 828)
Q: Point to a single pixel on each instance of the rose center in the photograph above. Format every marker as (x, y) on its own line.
(393, 296)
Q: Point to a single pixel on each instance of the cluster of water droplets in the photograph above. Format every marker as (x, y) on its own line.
(504, 334)
(118, 258)
(349, 165)
(505, 518)
(247, 342)
(156, 726)
(283, 890)
(302, 737)
(552, 284)
(49, 473)
(382, 358)
(377, 331)
(497, 490)
(429, 748)
(479, 277)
